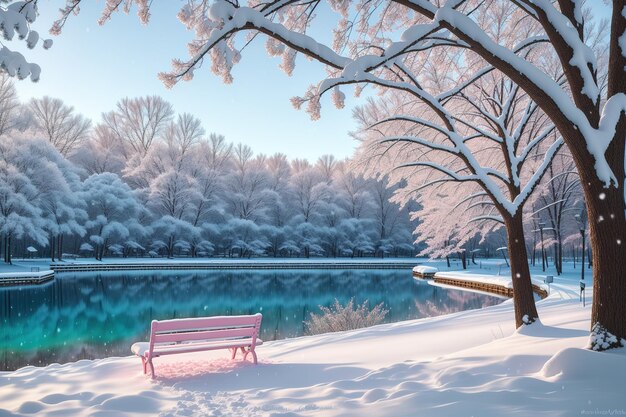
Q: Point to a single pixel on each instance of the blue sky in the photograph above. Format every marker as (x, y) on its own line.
(91, 67)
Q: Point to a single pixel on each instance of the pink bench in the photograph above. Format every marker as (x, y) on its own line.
(169, 337)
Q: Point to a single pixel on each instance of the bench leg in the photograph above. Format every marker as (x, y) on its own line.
(234, 353)
(153, 375)
(143, 363)
(246, 352)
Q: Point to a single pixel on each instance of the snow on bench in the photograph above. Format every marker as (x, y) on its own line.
(423, 271)
(169, 337)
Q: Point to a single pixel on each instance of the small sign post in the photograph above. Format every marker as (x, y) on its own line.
(582, 291)
(549, 280)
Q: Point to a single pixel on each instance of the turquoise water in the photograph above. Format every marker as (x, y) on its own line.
(95, 315)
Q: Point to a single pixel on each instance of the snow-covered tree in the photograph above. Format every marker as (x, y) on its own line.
(556, 201)
(208, 166)
(176, 233)
(483, 137)
(246, 192)
(112, 208)
(357, 237)
(101, 152)
(327, 165)
(243, 237)
(59, 123)
(307, 239)
(279, 172)
(137, 123)
(387, 216)
(20, 196)
(59, 186)
(308, 190)
(355, 198)
(9, 105)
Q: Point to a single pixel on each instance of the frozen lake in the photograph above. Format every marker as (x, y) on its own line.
(95, 315)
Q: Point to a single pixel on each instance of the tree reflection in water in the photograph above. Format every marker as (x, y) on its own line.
(87, 315)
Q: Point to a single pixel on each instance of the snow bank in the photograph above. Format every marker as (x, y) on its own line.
(423, 269)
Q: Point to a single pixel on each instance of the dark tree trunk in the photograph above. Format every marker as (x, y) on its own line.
(523, 298)
(170, 247)
(608, 246)
(52, 251)
(8, 249)
(60, 247)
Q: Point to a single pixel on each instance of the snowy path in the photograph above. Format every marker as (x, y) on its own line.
(468, 363)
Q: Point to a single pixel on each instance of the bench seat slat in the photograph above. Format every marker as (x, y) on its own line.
(206, 328)
(142, 348)
(204, 335)
(204, 322)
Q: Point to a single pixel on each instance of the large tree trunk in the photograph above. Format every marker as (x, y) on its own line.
(607, 225)
(523, 298)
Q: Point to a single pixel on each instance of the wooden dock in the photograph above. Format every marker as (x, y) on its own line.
(25, 278)
(228, 265)
(492, 288)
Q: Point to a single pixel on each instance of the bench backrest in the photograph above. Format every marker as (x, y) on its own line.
(168, 332)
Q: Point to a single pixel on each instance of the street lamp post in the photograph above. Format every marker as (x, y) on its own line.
(581, 219)
(543, 251)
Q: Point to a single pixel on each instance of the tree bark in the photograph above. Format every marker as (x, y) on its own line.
(608, 245)
(52, 252)
(8, 244)
(60, 247)
(523, 298)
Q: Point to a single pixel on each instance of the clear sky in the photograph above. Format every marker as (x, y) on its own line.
(91, 67)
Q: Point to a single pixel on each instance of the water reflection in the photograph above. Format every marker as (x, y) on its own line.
(87, 315)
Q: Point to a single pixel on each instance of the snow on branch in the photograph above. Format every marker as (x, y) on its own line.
(561, 29)
(539, 172)
(420, 141)
(16, 19)
(497, 219)
(437, 167)
(497, 55)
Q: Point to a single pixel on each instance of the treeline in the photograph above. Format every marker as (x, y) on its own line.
(148, 182)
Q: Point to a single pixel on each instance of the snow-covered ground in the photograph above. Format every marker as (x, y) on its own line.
(468, 363)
